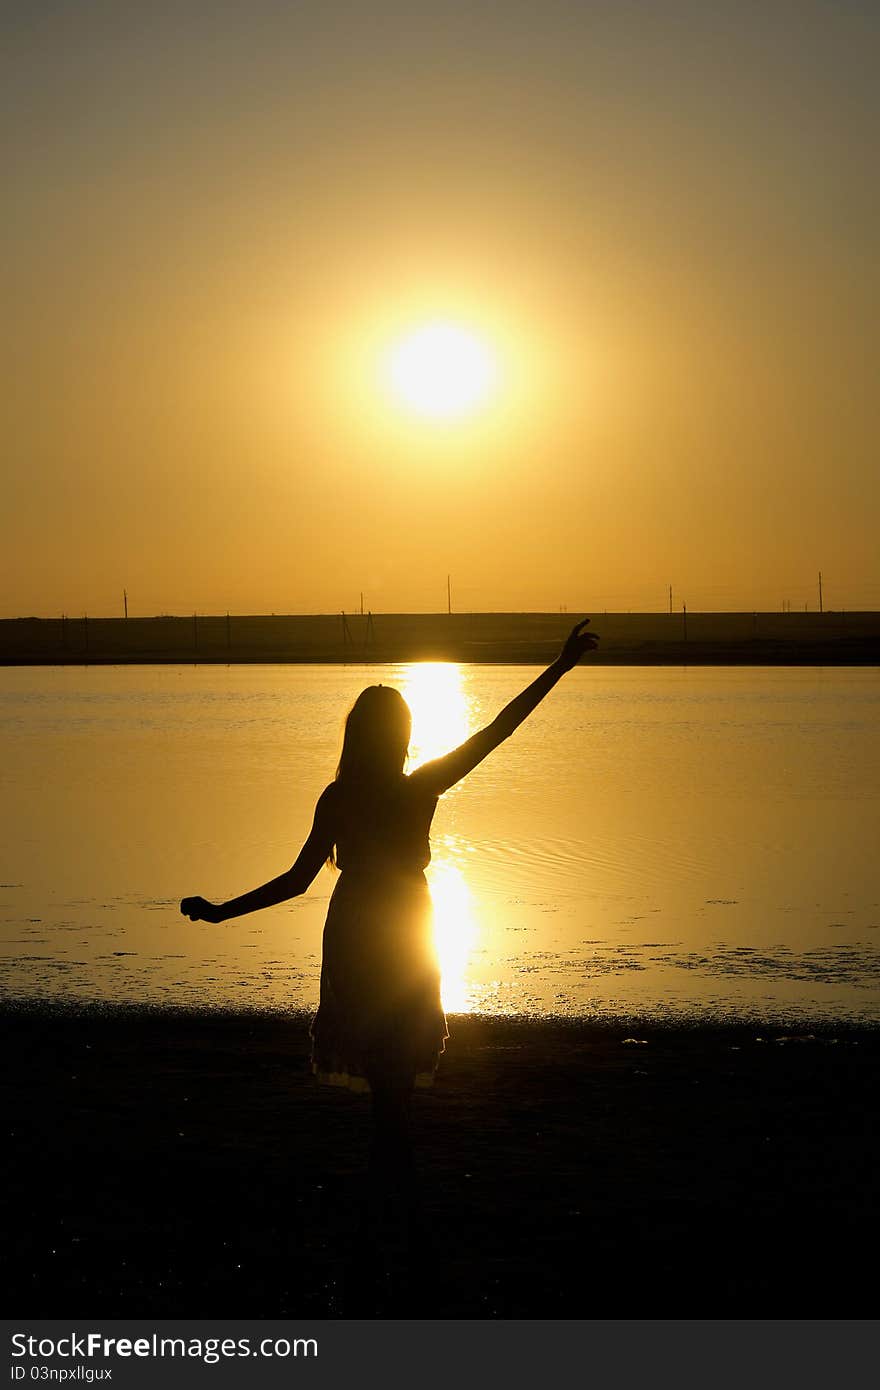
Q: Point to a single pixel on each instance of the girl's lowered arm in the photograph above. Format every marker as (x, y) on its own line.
(290, 884)
(444, 772)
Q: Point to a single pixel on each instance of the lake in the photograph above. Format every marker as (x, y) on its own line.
(656, 841)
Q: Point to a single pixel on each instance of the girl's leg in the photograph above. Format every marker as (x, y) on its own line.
(391, 1159)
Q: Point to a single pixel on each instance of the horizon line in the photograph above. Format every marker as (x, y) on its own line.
(572, 612)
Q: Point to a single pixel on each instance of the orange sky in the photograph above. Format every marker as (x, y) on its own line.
(663, 218)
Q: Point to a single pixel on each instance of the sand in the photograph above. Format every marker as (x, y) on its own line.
(170, 1165)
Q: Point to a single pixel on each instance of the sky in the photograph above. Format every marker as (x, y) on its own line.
(660, 220)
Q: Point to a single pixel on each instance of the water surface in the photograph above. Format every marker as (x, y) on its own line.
(660, 841)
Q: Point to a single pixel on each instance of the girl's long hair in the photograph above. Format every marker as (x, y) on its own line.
(374, 745)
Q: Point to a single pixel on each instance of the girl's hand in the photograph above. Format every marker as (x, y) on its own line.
(577, 643)
(200, 910)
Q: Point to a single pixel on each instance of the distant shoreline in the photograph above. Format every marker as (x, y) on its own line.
(639, 639)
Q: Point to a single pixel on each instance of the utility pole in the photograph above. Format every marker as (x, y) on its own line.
(362, 603)
(125, 601)
(448, 594)
(670, 600)
(820, 592)
(684, 620)
(228, 631)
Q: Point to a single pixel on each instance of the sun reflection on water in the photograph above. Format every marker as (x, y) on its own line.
(434, 691)
(455, 928)
(442, 719)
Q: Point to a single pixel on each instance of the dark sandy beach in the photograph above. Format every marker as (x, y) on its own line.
(165, 1165)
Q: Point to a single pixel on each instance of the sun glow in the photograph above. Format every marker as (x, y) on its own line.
(441, 371)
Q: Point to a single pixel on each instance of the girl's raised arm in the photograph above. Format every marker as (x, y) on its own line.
(287, 885)
(442, 773)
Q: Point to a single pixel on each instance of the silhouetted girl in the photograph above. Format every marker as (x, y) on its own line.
(380, 1024)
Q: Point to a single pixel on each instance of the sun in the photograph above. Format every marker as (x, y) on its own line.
(441, 371)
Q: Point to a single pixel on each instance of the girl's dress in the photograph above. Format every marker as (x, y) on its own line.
(380, 1018)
